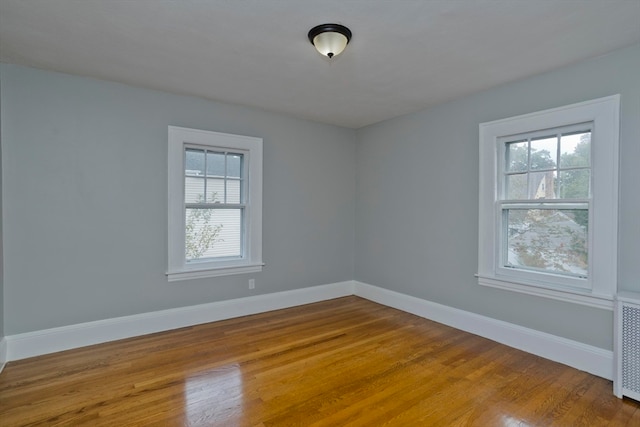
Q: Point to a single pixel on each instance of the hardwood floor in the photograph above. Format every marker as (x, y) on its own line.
(342, 362)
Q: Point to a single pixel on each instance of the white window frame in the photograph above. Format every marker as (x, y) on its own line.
(251, 259)
(601, 282)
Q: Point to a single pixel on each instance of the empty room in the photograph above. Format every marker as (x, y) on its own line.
(295, 213)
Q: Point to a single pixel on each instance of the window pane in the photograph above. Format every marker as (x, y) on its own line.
(215, 190)
(544, 152)
(233, 191)
(516, 156)
(542, 185)
(215, 164)
(193, 189)
(516, 186)
(575, 150)
(194, 161)
(213, 233)
(231, 234)
(234, 165)
(574, 184)
(552, 240)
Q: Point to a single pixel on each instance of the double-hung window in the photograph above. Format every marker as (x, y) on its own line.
(543, 204)
(548, 203)
(215, 194)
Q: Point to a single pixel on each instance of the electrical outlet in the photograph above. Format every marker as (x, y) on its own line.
(252, 283)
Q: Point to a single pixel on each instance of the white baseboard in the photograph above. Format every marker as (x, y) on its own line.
(52, 340)
(578, 355)
(581, 356)
(3, 353)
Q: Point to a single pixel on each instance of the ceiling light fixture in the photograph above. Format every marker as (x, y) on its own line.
(330, 39)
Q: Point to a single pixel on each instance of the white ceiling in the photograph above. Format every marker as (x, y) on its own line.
(405, 55)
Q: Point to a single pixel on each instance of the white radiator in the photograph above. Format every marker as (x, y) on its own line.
(627, 346)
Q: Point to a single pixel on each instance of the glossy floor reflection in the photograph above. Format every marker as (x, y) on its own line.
(215, 395)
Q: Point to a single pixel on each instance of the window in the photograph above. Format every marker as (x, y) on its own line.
(543, 201)
(215, 204)
(548, 203)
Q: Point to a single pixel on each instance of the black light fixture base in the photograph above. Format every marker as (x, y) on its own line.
(326, 28)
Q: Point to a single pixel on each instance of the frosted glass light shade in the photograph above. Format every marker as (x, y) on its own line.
(330, 44)
(330, 39)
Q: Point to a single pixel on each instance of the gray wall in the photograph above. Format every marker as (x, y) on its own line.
(2, 334)
(85, 199)
(417, 197)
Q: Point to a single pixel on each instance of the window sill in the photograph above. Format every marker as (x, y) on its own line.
(576, 297)
(174, 276)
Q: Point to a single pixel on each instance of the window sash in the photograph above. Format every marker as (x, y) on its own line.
(559, 235)
(504, 172)
(228, 246)
(242, 179)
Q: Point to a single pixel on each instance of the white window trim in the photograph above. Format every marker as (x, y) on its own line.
(178, 269)
(603, 224)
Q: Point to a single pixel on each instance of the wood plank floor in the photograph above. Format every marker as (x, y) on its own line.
(336, 363)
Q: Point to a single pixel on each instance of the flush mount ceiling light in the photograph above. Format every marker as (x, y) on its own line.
(330, 39)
